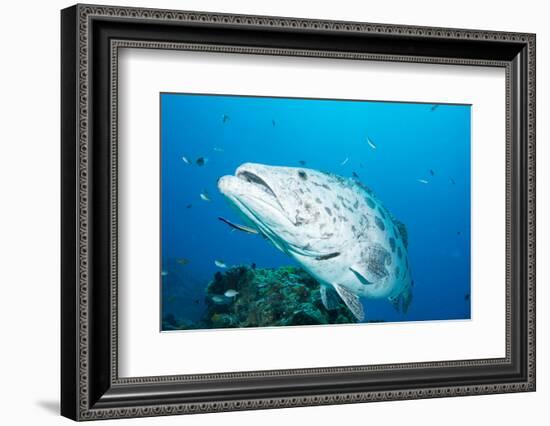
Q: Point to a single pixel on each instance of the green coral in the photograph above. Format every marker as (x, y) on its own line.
(268, 297)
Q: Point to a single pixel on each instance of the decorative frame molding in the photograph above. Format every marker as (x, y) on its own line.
(91, 388)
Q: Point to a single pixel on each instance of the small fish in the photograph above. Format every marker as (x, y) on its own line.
(220, 264)
(452, 181)
(355, 175)
(201, 161)
(204, 196)
(434, 107)
(424, 181)
(231, 293)
(432, 172)
(239, 227)
(371, 143)
(220, 300)
(185, 160)
(163, 273)
(225, 118)
(182, 261)
(188, 206)
(343, 163)
(218, 149)
(302, 162)
(273, 123)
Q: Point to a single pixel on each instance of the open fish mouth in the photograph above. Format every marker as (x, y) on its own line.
(257, 181)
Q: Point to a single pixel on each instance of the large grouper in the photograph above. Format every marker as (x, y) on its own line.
(334, 227)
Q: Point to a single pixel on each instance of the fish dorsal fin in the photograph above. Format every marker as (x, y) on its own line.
(403, 231)
(329, 298)
(352, 301)
(360, 275)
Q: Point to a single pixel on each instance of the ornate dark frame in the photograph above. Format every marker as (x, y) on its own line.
(91, 37)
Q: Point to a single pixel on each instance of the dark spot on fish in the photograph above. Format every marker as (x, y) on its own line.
(396, 233)
(399, 252)
(302, 175)
(333, 220)
(336, 206)
(379, 223)
(325, 186)
(364, 187)
(356, 204)
(370, 203)
(328, 256)
(343, 218)
(329, 212)
(318, 200)
(353, 228)
(381, 210)
(301, 190)
(200, 161)
(397, 271)
(392, 244)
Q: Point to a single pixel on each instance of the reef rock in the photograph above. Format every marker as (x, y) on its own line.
(268, 297)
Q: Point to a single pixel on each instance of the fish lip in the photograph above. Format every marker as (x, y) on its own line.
(250, 173)
(255, 179)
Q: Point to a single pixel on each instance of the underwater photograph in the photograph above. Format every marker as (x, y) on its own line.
(297, 211)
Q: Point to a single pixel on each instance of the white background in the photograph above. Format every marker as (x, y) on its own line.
(29, 229)
(146, 352)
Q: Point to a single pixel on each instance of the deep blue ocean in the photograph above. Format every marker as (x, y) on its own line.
(415, 143)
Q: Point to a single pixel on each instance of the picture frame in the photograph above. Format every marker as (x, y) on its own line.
(91, 387)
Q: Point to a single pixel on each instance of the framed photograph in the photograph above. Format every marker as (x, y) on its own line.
(263, 212)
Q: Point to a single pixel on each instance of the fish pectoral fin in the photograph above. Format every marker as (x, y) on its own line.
(352, 302)
(329, 298)
(360, 275)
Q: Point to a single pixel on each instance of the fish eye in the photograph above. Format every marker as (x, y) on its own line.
(302, 175)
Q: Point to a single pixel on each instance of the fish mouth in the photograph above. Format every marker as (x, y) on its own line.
(257, 181)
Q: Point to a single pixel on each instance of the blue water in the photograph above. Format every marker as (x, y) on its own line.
(412, 141)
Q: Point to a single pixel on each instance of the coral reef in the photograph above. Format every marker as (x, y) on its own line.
(265, 297)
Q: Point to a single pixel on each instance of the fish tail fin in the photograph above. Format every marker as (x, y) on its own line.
(407, 298)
